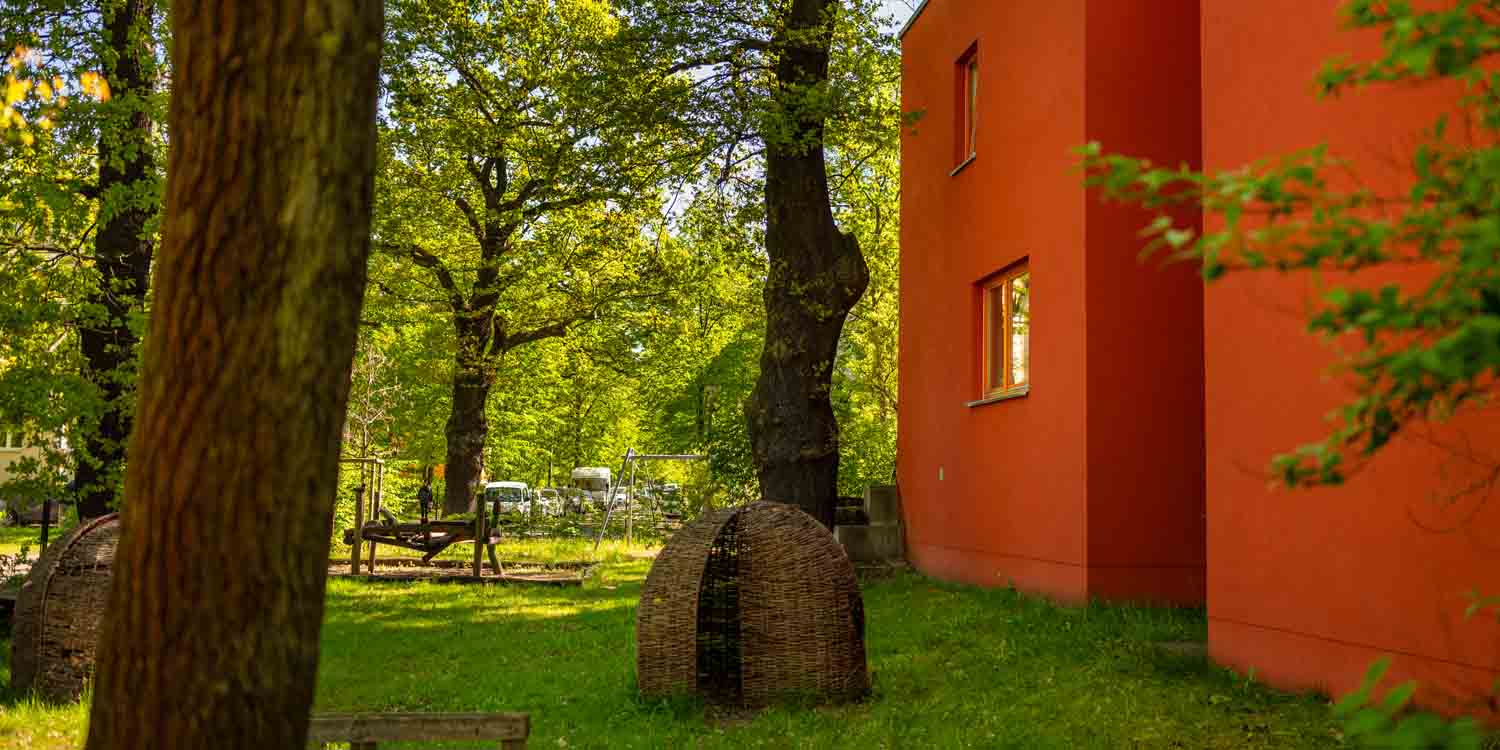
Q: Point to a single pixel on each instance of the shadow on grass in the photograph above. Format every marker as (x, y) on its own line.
(952, 667)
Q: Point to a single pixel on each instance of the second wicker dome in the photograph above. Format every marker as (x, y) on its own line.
(751, 605)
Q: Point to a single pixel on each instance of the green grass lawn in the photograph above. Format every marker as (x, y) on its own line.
(12, 538)
(954, 667)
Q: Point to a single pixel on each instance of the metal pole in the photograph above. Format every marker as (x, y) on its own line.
(609, 493)
(46, 521)
(630, 507)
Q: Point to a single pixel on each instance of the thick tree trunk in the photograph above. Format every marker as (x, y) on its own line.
(217, 598)
(816, 276)
(122, 257)
(468, 429)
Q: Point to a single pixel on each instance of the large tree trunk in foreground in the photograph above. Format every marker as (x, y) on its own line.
(468, 429)
(217, 598)
(817, 274)
(122, 257)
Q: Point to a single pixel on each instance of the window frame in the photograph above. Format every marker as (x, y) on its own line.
(7, 435)
(1009, 387)
(966, 108)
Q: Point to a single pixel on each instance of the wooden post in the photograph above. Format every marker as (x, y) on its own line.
(359, 523)
(495, 560)
(480, 534)
(426, 509)
(374, 507)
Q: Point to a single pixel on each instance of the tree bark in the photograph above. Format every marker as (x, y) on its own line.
(816, 276)
(467, 431)
(212, 641)
(481, 342)
(122, 257)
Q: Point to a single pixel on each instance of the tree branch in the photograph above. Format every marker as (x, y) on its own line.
(504, 342)
(473, 218)
(436, 266)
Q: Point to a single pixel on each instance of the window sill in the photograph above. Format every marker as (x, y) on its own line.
(961, 165)
(1001, 396)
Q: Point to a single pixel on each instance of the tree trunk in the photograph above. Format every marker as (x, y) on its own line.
(468, 429)
(122, 257)
(217, 597)
(816, 276)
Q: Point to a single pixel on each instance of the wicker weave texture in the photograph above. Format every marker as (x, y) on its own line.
(750, 606)
(56, 626)
(666, 622)
(801, 613)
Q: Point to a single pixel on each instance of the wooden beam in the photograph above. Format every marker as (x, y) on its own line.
(420, 727)
(417, 528)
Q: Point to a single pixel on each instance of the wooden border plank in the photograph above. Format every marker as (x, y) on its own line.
(418, 727)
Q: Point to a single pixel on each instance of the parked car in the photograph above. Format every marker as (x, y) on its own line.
(574, 500)
(513, 497)
(548, 501)
(590, 484)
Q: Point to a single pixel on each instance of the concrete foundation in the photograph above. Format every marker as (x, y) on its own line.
(881, 539)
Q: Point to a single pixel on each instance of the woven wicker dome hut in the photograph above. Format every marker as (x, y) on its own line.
(56, 625)
(748, 605)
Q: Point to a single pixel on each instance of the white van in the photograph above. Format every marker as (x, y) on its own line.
(591, 483)
(514, 497)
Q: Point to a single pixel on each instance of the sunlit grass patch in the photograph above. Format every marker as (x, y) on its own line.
(27, 723)
(953, 667)
(13, 538)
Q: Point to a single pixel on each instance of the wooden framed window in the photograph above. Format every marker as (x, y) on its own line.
(1007, 332)
(967, 132)
(10, 438)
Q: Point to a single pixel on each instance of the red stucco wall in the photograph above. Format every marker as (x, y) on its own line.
(1309, 587)
(1145, 321)
(1092, 483)
(1010, 504)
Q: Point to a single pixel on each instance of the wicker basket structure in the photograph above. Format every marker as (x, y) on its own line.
(749, 606)
(56, 625)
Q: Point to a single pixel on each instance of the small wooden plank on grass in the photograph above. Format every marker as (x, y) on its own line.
(367, 729)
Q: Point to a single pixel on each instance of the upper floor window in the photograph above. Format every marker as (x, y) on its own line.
(968, 107)
(1007, 332)
(10, 438)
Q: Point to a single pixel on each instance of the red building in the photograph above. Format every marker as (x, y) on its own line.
(1081, 424)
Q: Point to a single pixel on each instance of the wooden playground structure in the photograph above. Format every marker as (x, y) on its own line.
(374, 525)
